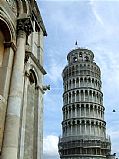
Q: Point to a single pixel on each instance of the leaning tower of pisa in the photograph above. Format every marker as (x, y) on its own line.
(83, 126)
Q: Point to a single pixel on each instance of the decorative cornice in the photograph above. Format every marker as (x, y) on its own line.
(36, 13)
(36, 61)
(25, 24)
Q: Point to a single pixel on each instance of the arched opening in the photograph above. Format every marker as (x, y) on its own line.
(77, 82)
(32, 77)
(83, 127)
(92, 128)
(2, 39)
(87, 109)
(77, 96)
(82, 95)
(81, 81)
(90, 95)
(82, 110)
(69, 85)
(5, 73)
(69, 98)
(73, 96)
(5, 30)
(86, 95)
(73, 83)
(73, 110)
(87, 127)
(31, 98)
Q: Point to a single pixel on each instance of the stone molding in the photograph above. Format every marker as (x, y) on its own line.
(35, 60)
(10, 44)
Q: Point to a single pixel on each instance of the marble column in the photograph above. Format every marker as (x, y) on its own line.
(39, 136)
(11, 137)
(76, 111)
(23, 122)
(12, 126)
(67, 113)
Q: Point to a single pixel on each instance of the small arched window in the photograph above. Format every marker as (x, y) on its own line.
(75, 59)
(32, 77)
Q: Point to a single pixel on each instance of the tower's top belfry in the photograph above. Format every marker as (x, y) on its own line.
(80, 55)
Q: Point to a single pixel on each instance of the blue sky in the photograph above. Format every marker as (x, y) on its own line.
(95, 25)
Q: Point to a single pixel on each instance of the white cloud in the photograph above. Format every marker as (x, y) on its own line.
(95, 12)
(55, 70)
(50, 145)
(114, 134)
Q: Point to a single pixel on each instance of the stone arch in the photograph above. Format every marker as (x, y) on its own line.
(82, 109)
(96, 82)
(73, 107)
(91, 110)
(95, 107)
(77, 82)
(69, 123)
(73, 122)
(73, 83)
(73, 96)
(69, 97)
(77, 95)
(32, 77)
(70, 84)
(81, 81)
(85, 80)
(87, 127)
(4, 28)
(86, 95)
(87, 109)
(94, 96)
(89, 80)
(78, 122)
(83, 122)
(90, 95)
(73, 70)
(6, 36)
(92, 80)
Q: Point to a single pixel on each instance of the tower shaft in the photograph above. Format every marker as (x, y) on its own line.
(83, 125)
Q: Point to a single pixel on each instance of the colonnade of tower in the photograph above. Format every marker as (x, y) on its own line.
(83, 125)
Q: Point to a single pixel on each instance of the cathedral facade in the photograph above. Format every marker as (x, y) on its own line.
(83, 126)
(21, 80)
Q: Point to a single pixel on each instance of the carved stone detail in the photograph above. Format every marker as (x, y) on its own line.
(13, 5)
(46, 87)
(25, 24)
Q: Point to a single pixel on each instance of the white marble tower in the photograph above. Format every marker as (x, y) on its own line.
(83, 126)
